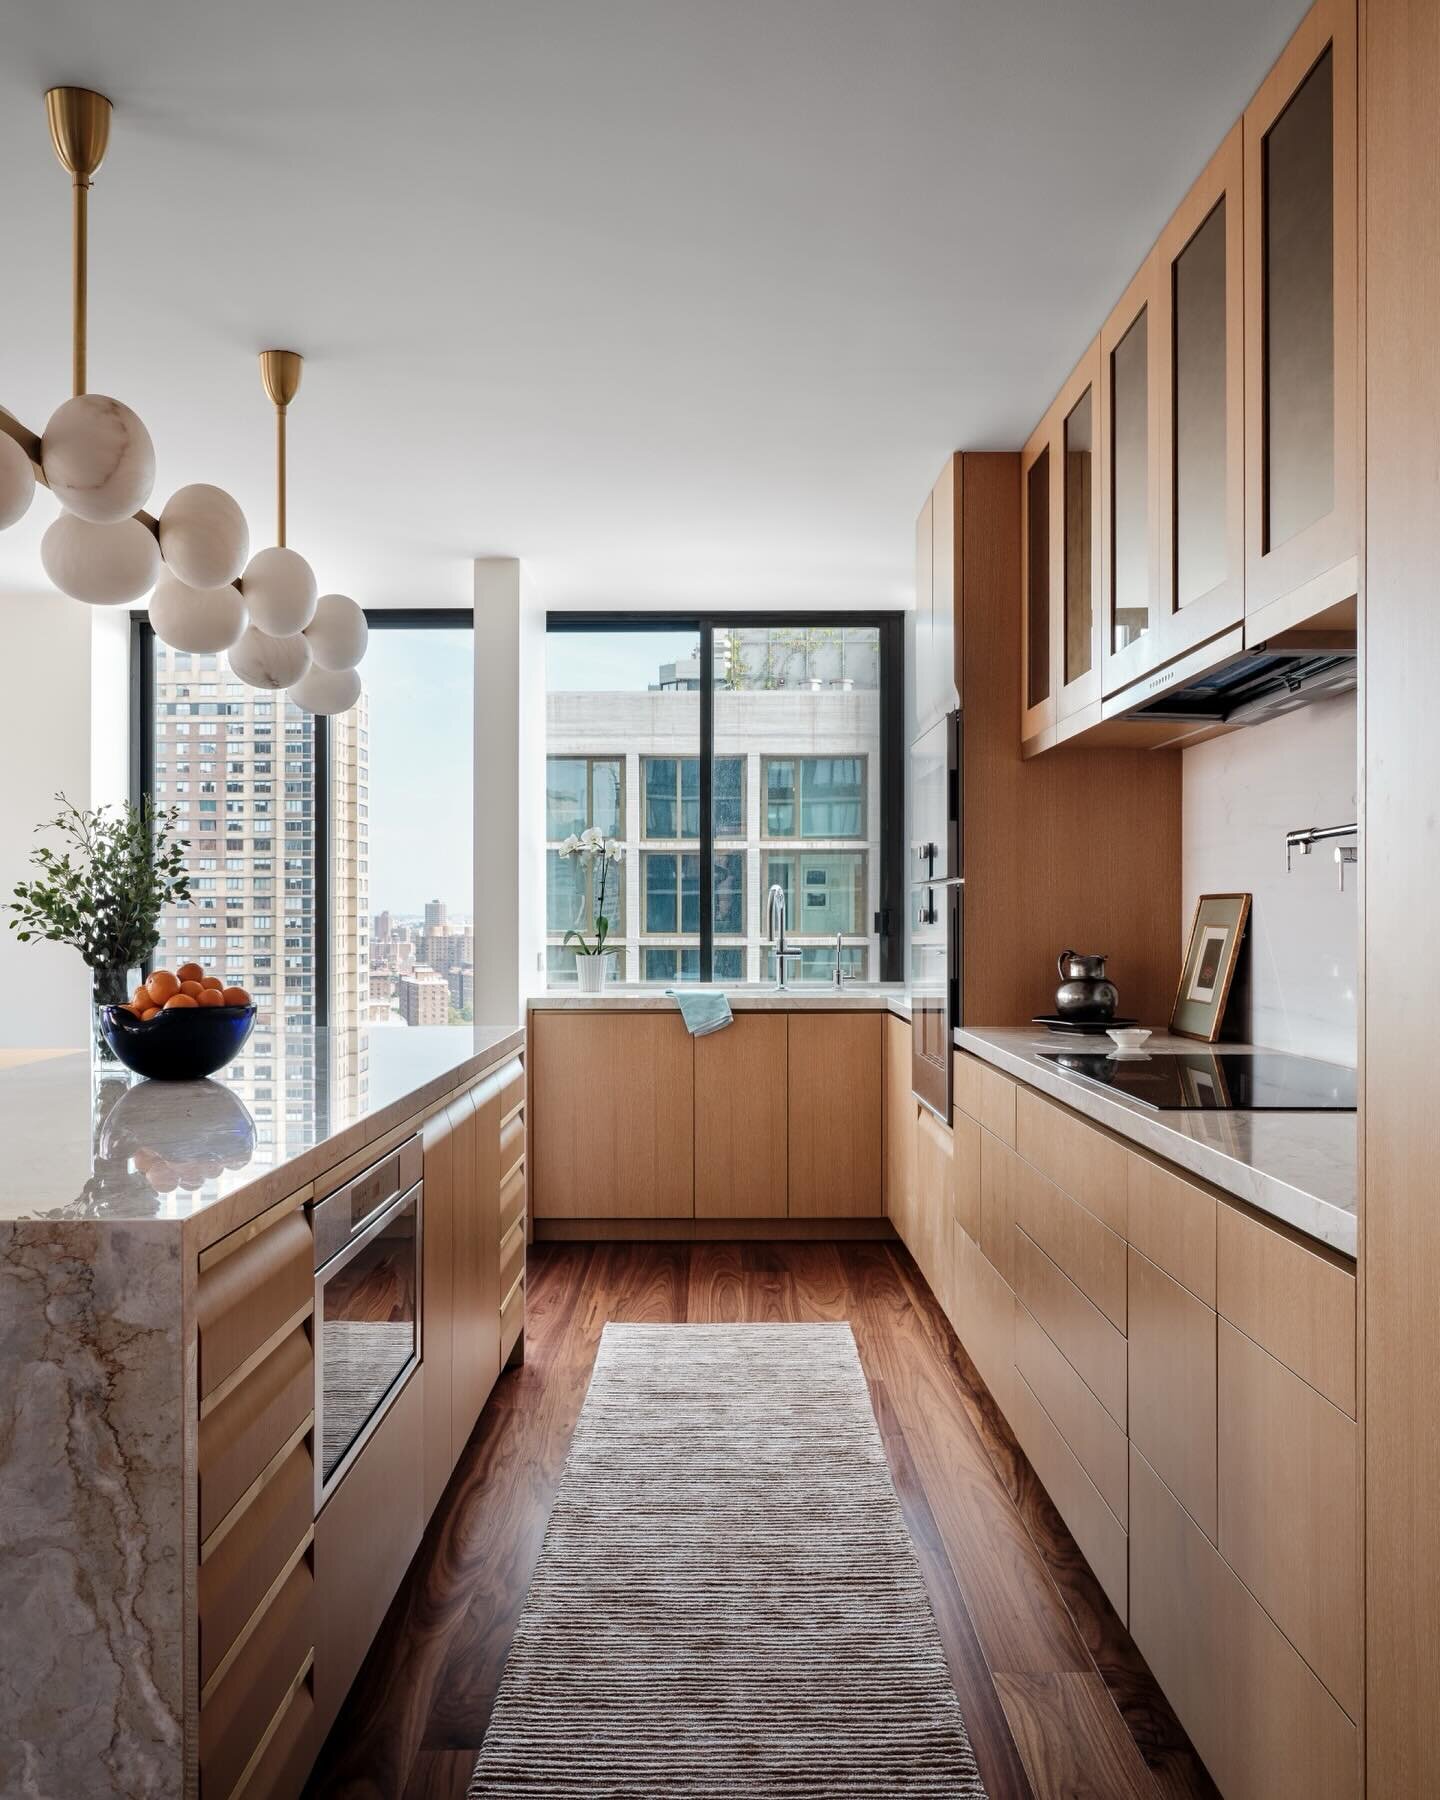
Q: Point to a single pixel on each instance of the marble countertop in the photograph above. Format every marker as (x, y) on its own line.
(811, 997)
(1297, 1166)
(123, 1149)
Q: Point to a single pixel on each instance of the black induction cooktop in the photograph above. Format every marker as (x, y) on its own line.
(1215, 1080)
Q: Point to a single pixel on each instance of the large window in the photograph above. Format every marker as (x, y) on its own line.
(792, 747)
(330, 858)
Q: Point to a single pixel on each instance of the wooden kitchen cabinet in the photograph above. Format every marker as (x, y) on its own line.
(899, 1126)
(1039, 562)
(1200, 358)
(937, 615)
(1077, 527)
(613, 1131)
(834, 1089)
(1130, 479)
(476, 1315)
(741, 1161)
(1172, 1388)
(1302, 462)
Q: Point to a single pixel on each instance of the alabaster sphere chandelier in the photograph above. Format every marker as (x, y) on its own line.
(208, 594)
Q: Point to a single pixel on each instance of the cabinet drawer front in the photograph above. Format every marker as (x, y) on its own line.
(251, 1424)
(512, 1200)
(965, 1181)
(1289, 1508)
(997, 1204)
(1259, 1717)
(512, 1259)
(234, 1718)
(512, 1319)
(1074, 1239)
(511, 1084)
(1096, 1440)
(283, 1765)
(1173, 1223)
(986, 1095)
(1089, 1342)
(1172, 1388)
(512, 1144)
(1078, 1157)
(984, 1319)
(1078, 1501)
(1294, 1303)
(243, 1299)
(237, 1573)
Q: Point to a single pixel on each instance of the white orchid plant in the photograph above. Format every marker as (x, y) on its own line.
(593, 848)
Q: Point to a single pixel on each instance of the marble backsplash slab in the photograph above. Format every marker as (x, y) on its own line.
(1242, 793)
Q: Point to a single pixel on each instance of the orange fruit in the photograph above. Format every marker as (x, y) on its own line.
(192, 988)
(161, 985)
(179, 1000)
(140, 999)
(151, 1012)
(213, 981)
(236, 996)
(209, 996)
(189, 972)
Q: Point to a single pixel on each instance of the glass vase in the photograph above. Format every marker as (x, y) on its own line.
(109, 986)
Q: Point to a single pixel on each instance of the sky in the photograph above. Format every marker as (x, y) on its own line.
(421, 687)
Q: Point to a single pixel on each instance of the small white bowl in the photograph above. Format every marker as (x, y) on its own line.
(1129, 1038)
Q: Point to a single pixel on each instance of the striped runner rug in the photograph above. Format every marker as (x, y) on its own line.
(727, 1602)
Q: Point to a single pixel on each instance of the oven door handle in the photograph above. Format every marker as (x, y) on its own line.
(373, 1225)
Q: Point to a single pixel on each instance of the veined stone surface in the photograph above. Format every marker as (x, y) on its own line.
(91, 1532)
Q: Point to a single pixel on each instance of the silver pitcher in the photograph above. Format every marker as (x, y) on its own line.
(1084, 992)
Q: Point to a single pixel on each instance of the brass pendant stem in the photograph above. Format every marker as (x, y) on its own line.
(280, 375)
(79, 123)
(79, 284)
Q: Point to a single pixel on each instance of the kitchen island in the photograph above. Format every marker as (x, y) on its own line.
(165, 1554)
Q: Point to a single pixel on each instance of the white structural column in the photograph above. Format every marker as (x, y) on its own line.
(63, 729)
(509, 791)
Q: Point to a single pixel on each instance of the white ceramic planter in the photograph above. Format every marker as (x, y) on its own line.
(591, 973)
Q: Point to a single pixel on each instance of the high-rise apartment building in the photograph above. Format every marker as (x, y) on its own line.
(424, 998)
(239, 763)
(435, 915)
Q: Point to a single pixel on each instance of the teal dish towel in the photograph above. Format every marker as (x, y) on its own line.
(702, 1012)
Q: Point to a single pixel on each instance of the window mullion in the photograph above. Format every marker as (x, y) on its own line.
(707, 799)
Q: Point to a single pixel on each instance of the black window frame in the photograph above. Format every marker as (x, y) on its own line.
(889, 919)
(142, 761)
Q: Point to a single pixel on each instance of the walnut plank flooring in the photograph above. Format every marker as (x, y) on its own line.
(1058, 1701)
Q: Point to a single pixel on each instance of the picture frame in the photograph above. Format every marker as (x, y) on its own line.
(1212, 953)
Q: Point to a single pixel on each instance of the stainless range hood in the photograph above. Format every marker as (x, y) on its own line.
(1228, 683)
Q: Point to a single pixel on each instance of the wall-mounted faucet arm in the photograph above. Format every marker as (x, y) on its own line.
(1308, 836)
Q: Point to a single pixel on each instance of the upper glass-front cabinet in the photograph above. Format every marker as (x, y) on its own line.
(1301, 280)
(1202, 409)
(1129, 467)
(1076, 514)
(1038, 560)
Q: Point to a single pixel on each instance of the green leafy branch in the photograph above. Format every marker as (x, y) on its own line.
(103, 892)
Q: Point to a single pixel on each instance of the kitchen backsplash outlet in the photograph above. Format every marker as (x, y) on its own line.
(1242, 793)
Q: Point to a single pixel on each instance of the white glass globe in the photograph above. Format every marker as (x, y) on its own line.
(326, 690)
(203, 619)
(279, 589)
(98, 459)
(338, 633)
(104, 565)
(17, 482)
(203, 536)
(263, 661)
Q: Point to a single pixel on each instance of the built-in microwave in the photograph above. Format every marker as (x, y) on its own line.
(369, 1258)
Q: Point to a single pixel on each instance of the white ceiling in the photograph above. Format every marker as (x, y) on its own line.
(678, 301)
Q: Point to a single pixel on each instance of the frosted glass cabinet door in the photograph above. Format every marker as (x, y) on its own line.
(1301, 274)
(1202, 408)
(1077, 516)
(1129, 467)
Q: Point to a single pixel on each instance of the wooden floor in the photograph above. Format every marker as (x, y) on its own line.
(1057, 1699)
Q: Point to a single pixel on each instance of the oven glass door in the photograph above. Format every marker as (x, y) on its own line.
(367, 1331)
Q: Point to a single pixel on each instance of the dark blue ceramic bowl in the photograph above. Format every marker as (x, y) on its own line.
(185, 1044)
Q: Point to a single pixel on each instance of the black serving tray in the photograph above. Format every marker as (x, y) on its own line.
(1080, 1027)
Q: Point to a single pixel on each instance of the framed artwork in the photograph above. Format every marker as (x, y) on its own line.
(1216, 933)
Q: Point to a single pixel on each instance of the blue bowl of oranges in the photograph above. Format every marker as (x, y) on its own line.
(179, 1025)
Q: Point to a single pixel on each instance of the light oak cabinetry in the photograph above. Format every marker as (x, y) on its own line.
(741, 1113)
(1162, 1355)
(1226, 434)
(777, 1117)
